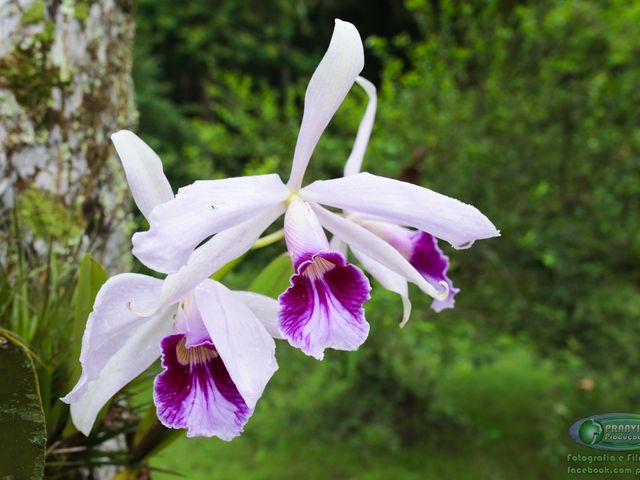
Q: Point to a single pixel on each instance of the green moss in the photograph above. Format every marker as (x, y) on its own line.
(28, 73)
(46, 36)
(35, 13)
(47, 215)
(82, 10)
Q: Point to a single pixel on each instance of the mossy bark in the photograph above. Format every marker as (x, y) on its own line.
(65, 86)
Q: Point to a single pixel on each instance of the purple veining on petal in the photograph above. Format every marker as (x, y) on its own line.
(323, 306)
(195, 391)
(432, 264)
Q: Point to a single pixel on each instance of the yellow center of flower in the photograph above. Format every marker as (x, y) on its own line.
(194, 355)
(293, 195)
(318, 268)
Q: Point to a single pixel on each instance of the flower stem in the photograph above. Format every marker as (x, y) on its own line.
(268, 239)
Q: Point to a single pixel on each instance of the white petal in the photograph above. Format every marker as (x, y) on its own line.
(361, 239)
(266, 309)
(199, 211)
(114, 316)
(215, 253)
(143, 169)
(245, 346)
(141, 349)
(327, 88)
(404, 204)
(337, 245)
(354, 162)
(388, 279)
(302, 232)
(118, 344)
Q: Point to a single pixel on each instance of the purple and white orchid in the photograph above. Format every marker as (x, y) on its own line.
(323, 307)
(418, 247)
(216, 345)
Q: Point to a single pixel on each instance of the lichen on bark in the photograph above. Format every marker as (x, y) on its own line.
(65, 86)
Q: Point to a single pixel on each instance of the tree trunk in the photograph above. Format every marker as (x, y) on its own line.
(65, 86)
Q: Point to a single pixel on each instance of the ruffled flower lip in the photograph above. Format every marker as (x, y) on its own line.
(428, 259)
(323, 306)
(195, 391)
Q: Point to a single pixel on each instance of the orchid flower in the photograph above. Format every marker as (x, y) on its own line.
(323, 307)
(418, 247)
(216, 345)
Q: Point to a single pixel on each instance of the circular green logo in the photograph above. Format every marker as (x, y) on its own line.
(591, 431)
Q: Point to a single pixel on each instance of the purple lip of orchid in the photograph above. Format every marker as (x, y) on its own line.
(195, 391)
(433, 264)
(323, 306)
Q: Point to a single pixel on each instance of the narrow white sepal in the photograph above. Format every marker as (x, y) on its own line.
(404, 204)
(359, 238)
(354, 162)
(327, 88)
(244, 345)
(143, 169)
(337, 245)
(141, 349)
(266, 309)
(389, 280)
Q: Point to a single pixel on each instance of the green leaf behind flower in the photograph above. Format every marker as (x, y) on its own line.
(24, 438)
(274, 279)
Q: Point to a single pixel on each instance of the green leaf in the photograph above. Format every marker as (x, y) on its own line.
(90, 278)
(22, 445)
(226, 268)
(274, 279)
